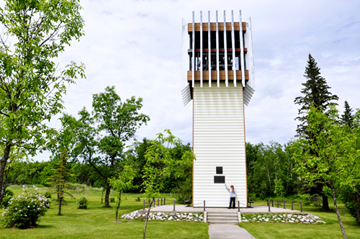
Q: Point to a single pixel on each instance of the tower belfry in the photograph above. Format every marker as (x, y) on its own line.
(219, 76)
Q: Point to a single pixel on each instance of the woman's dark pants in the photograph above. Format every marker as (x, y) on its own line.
(232, 201)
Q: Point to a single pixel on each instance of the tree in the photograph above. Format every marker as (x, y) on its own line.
(61, 175)
(268, 164)
(347, 117)
(31, 86)
(121, 183)
(279, 188)
(316, 93)
(162, 162)
(135, 156)
(350, 195)
(63, 139)
(101, 144)
(332, 156)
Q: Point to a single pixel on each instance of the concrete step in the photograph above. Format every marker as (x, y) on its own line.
(223, 221)
(222, 217)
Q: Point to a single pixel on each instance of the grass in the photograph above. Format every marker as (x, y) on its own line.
(304, 231)
(98, 222)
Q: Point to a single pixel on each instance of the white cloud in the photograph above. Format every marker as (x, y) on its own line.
(136, 46)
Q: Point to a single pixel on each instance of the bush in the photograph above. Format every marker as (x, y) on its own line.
(137, 199)
(24, 210)
(7, 197)
(306, 199)
(82, 202)
(252, 196)
(47, 194)
(112, 199)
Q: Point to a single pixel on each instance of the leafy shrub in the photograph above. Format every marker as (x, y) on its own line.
(82, 202)
(24, 210)
(112, 199)
(7, 196)
(137, 199)
(305, 198)
(252, 196)
(279, 188)
(47, 194)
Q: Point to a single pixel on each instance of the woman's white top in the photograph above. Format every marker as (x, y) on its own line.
(232, 194)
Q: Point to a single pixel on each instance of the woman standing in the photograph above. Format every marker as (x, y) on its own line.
(232, 195)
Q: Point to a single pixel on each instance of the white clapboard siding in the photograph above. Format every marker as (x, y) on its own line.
(219, 140)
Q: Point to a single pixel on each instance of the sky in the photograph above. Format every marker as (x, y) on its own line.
(136, 47)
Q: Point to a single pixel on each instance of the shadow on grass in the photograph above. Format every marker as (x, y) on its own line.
(44, 226)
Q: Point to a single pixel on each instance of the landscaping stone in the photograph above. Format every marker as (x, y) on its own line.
(165, 216)
(284, 218)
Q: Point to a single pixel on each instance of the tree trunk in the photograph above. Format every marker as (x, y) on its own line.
(2, 170)
(118, 206)
(102, 196)
(358, 206)
(147, 216)
(325, 203)
(107, 196)
(337, 213)
(60, 202)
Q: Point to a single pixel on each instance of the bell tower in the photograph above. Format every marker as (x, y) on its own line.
(219, 78)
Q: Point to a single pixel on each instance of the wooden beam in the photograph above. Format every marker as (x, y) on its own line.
(214, 76)
(213, 26)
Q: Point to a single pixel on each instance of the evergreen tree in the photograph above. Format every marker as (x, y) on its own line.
(316, 93)
(347, 117)
(61, 175)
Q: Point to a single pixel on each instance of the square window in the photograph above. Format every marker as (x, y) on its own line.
(219, 170)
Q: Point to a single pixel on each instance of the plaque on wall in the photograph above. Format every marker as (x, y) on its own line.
(219, 179)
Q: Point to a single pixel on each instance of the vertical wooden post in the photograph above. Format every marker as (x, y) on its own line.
(238, 206)
(292, 205)
(268, 205)
(161, 202)
(158, 201)
(284, 205)
(174, 206)
(272, 202)
(300, 206)
(204, 206)
(278, 203)
(144, 205)
(164, 202)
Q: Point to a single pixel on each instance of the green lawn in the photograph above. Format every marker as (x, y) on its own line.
(304, 231)
(98, 222)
